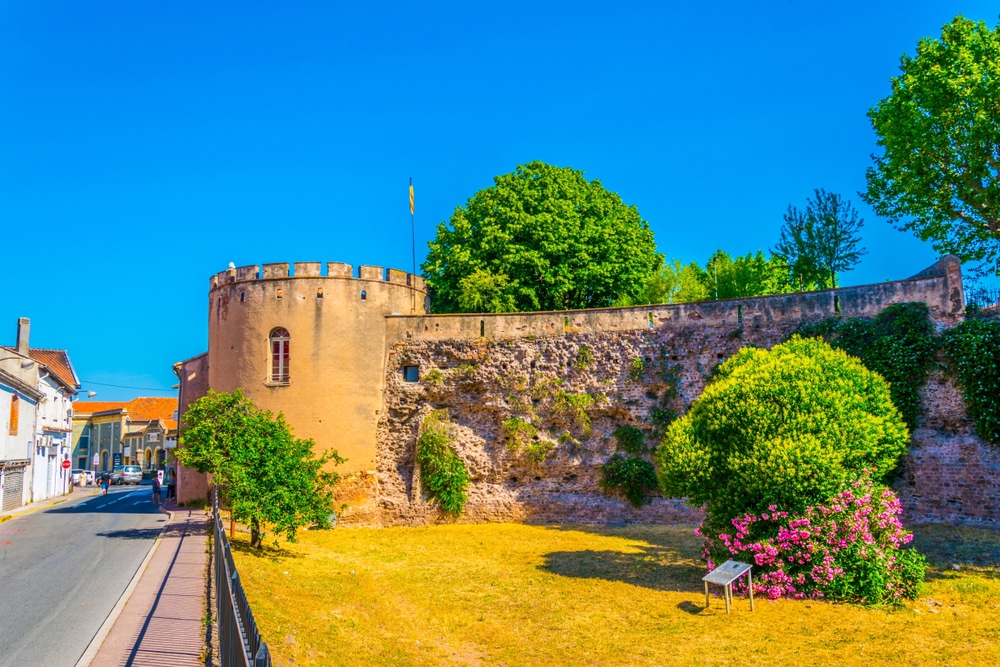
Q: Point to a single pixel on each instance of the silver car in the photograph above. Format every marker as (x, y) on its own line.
(131, 475)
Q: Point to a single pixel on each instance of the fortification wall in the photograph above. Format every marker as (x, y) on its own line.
(486, 369)
(336, 326)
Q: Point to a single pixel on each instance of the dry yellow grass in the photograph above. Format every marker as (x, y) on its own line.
(579, 595)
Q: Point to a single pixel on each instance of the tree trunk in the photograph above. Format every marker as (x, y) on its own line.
(255, 537)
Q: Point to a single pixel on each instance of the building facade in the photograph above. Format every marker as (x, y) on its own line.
(137, 432)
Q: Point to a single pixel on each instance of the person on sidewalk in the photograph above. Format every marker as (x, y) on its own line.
(156, 490)
(171, 484)
(105, 481)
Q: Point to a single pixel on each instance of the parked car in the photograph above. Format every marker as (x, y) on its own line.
(116, 475)
(131, 474)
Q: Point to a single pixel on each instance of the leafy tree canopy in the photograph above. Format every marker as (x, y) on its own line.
(787, 427)
(269, 476)
(820, 241)
(940, 129)
(722, 277)
(541, 238)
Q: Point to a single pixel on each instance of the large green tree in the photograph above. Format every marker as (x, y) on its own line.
(940, 129)
(269, 477)
(821, 241)
(541, 238)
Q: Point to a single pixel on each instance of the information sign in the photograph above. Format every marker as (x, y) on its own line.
(724, 576)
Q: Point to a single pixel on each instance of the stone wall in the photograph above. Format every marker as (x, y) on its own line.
(486, 369)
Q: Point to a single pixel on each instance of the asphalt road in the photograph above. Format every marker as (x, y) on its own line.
(62, 571)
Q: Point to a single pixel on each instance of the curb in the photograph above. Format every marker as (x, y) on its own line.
(105, 629)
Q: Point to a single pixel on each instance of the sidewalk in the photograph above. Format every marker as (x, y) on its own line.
(160, 617)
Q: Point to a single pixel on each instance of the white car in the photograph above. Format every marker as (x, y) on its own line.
(131, 475)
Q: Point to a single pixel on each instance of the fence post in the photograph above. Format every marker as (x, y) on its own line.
(263, 657)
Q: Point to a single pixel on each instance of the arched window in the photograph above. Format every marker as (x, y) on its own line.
(279, 355)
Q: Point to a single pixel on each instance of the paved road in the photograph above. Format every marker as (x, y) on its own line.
(63, 569)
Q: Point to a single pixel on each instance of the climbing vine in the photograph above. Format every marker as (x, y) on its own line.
(442, 470)
(898, 344)
(973, 349)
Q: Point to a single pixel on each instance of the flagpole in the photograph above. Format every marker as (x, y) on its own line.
(413, 246)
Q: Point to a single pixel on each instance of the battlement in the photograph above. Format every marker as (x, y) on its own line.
(334, 270)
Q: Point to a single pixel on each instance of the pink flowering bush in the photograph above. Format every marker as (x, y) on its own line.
(850, 549)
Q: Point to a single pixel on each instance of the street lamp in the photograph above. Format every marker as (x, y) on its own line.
(26, 362)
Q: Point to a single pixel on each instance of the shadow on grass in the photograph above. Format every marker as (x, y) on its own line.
(268, 551)
(950, 549)
(651, 566)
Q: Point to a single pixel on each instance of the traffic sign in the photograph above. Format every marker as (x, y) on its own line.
(66, 464)
(97, 459)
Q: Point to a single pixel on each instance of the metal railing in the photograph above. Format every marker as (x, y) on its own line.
(240, 644)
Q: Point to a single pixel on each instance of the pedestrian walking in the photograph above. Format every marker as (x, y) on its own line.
(156, 489)
(105, 481)
(171, 481)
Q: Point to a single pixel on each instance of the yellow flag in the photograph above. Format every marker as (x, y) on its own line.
(411, 196)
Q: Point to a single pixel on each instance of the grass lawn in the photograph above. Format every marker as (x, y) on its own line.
(506, 594)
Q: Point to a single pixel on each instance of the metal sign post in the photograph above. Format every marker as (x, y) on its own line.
(724, 576)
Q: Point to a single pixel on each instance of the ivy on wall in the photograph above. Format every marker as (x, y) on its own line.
(973, 349)
(443, 473)
(898, 344)
(635, 478)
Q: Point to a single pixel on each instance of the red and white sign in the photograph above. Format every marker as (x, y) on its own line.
(66, 464)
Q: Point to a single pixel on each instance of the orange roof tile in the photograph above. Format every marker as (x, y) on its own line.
(57, 362)
(147, 409)
(142, 409)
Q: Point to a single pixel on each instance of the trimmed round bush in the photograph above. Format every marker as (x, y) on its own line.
(787, 450)
(788, 427)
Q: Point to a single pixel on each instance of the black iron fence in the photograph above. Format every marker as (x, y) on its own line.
(240, 644)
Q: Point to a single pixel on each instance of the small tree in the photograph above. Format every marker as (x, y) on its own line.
(939, 176)
(270, 477)
(821, 241)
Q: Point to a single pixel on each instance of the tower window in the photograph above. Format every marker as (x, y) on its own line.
(364, 295)
(279, 355)
(411, 373)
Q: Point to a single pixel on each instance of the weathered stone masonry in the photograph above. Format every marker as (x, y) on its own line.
(485, 369)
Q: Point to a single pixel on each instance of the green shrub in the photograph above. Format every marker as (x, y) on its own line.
(443, 473)
(434, 376)
(522, 439)
(636, 369)
(786, 427)
(898, 344)
(635, 478)
(576, 406)
(630, 439)
(584, 357)
(973, 348)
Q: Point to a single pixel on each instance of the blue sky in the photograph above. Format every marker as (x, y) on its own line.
(144, 146)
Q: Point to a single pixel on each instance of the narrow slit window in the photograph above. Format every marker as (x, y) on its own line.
(482, 328)
(243, 297)
(15, 413)
(739, 313)
(650, 318)
(319, 292)
(279, 355)
(364, 295)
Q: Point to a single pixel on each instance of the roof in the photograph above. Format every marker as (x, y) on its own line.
(142, 409)
(58, 362)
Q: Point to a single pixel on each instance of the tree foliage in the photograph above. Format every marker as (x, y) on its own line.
(940, 130)
(722, 277)
(787, 427)
(820, 241)
(541, 238)
(269, 477)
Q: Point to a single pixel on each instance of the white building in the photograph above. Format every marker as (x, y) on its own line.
(36, 389)
(58, 384)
